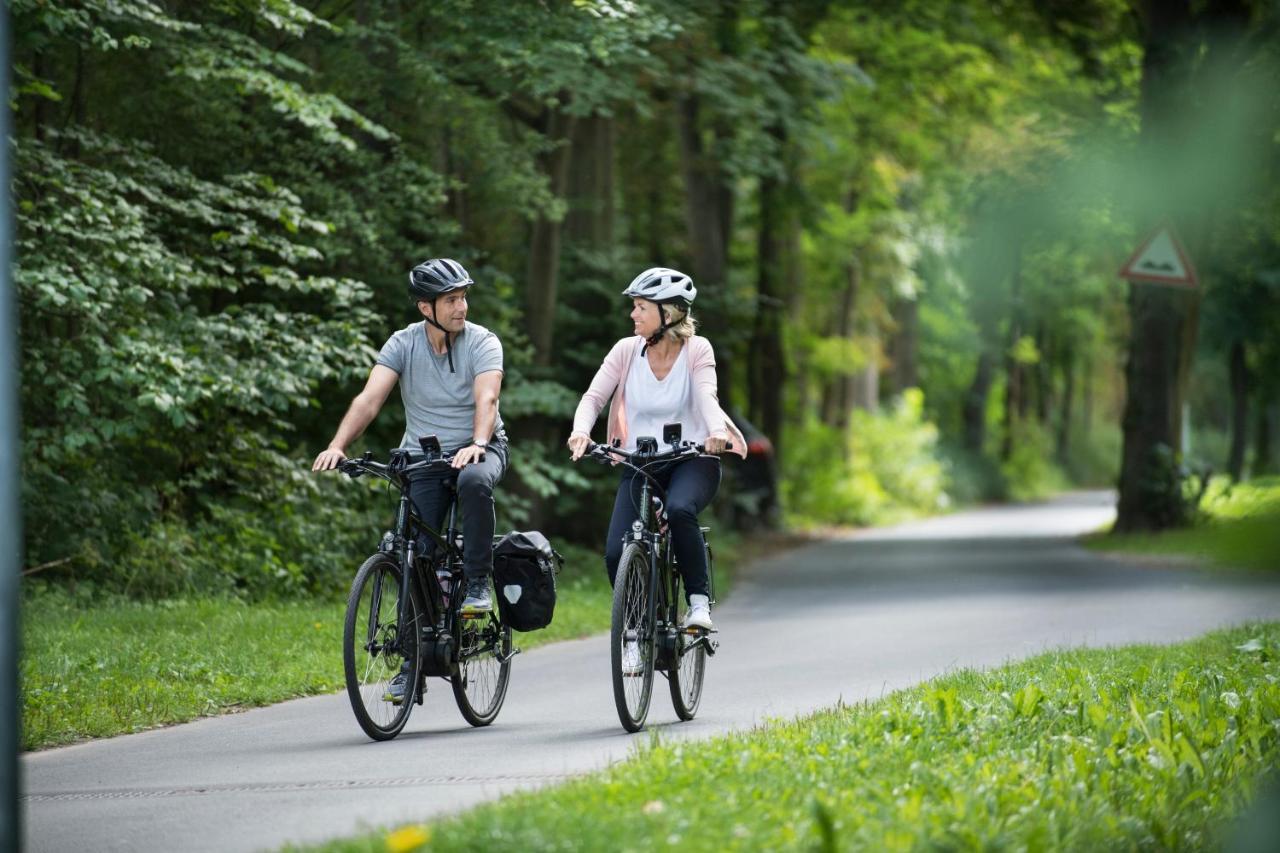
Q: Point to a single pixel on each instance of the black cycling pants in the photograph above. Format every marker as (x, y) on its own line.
(690, 486)
(429, 491)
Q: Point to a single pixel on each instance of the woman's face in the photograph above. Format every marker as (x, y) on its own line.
(646, 316)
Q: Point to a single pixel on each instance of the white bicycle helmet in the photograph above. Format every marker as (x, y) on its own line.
(660, 284)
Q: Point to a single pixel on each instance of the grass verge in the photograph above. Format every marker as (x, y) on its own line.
(95, 668)
(1138, 747)
(1239, 528)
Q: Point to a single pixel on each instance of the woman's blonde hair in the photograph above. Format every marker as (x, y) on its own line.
(681, 324)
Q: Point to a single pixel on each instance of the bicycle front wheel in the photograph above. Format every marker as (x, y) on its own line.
(374, 652)
(484, 667)
(631, 638)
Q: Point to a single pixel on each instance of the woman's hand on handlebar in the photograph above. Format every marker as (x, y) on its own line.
(717, 443)
(578, 445)
(329, 459)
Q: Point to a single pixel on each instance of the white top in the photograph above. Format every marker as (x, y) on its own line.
(654, 403)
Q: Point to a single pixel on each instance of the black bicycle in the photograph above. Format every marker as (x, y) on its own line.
(647, 604)
(404, 615)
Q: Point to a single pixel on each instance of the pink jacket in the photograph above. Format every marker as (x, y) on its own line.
(610, 382)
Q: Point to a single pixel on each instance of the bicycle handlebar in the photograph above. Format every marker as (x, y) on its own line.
(686, 448)
(356, 466)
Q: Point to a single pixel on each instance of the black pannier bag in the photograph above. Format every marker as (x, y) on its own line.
(524, 576)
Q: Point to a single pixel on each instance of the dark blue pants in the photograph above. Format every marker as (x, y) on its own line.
(690, 486)
(429, 491)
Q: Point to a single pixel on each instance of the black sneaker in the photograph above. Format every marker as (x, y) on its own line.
(477, 600)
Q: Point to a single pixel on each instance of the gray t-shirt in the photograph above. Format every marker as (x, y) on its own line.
(437, 402)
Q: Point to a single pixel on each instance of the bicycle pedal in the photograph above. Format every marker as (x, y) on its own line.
(479, 614)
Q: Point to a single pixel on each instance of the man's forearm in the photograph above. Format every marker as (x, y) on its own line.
(486, 417)
(354, 422)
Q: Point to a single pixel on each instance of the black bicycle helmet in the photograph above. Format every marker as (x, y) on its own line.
(432, 279)
(437, 277)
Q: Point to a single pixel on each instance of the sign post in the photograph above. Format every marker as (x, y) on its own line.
(10, 532)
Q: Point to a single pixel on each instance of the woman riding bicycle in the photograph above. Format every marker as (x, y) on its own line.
(663, 374)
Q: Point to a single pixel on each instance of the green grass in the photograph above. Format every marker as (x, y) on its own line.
(1239, 528)
(1132, 748)
(113, 666)
(95, 668)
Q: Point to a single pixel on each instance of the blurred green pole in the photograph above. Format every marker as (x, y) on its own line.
(10, 528)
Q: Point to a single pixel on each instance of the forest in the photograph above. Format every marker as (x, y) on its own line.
(906, 222)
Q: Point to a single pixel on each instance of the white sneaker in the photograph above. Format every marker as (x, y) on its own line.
(699, 615)
(631, 663)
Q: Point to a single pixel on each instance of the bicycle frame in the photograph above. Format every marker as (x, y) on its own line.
(402, 541)
(645, 530)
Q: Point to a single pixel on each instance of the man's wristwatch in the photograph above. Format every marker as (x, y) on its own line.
(481, 443)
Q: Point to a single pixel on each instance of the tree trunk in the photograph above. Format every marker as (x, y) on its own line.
(838, 395)
(1014, 403)
(975, 404)
(1086, 398)
(590, 221)
(905, 345)
(708, 215)
(1264, 439)
(767, 361)
(1066, 402)
(1238, 372)
(1162, 319)
(1044, 376)
(866, 382)
(544, 248)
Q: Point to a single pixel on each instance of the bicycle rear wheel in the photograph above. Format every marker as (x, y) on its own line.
(484, 667)
(632, 686)
(685, 678)
(373, 652)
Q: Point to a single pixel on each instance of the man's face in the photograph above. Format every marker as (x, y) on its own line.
(450, 310)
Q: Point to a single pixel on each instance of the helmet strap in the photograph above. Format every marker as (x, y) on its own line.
(448, 338)
(656, 338)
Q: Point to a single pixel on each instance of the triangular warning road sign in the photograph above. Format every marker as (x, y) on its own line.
(1160, 260)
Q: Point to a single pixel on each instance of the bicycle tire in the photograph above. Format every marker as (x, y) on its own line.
(685, 677)
(480, 682)
(633, 691)
(372, 656)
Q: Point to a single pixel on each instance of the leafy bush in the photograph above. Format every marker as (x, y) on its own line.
(1030, 472)
(1093, 458)
(885, 466)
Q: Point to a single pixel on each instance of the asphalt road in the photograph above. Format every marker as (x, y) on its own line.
(845, 619)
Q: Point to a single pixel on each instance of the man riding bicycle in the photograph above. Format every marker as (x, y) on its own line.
(450, 376)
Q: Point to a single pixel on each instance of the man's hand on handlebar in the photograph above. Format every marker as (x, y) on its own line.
(329, 459)
(578, 445)
(467, 455)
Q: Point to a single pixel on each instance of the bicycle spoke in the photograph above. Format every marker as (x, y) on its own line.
(373, 655)
(632, 638)
(480, 684)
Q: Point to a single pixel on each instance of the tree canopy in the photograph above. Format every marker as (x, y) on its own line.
(905, 221)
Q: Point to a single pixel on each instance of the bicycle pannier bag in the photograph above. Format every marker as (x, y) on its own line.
(524, 570)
